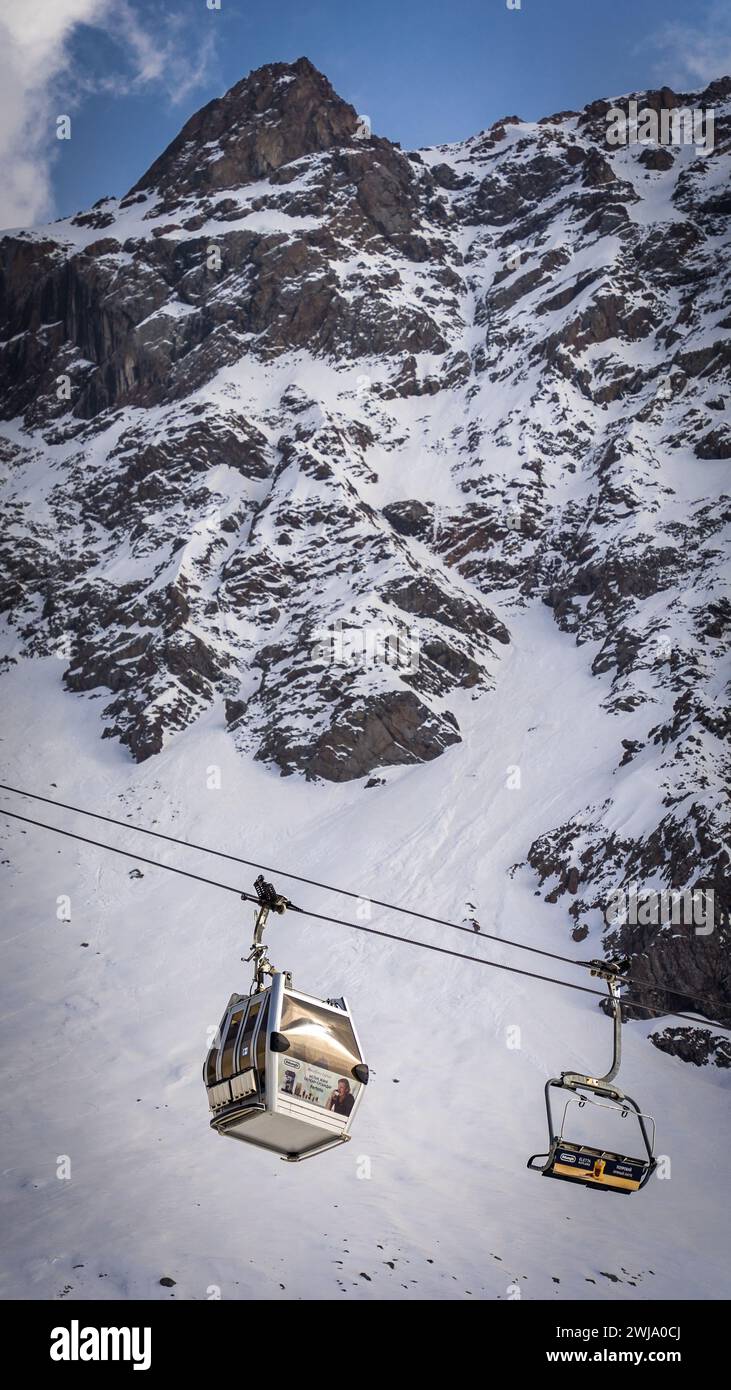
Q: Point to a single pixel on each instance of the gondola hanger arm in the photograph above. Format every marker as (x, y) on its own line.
(267, 900)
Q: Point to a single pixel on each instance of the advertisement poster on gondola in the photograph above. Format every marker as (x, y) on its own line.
(317, 1085)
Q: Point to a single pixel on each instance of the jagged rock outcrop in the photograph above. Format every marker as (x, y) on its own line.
(259, 127)
(694, 1045)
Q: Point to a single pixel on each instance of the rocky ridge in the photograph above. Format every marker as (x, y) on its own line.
(298, 382)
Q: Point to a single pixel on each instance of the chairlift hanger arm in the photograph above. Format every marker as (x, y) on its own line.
(609, 972)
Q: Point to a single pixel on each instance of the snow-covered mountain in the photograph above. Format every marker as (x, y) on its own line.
(373, 507)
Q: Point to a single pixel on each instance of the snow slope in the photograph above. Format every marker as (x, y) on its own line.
(102, 1045)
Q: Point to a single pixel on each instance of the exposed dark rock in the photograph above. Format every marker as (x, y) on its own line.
(423, 598)
(657, 157)
(694, 1045)
(411, 518)
(395, 728)
(714, 445)
(273, 117)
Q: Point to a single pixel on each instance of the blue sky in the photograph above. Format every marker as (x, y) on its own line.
(130, 72)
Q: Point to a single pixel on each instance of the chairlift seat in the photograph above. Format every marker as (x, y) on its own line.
(599, 1168)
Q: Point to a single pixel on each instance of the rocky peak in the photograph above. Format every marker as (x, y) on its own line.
(277, 114)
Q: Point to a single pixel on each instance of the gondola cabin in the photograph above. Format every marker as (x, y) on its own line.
(285, 1071)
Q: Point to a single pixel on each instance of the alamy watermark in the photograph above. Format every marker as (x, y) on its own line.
(339, 645)
(80, 1343)
(645, 907)
(685, 125)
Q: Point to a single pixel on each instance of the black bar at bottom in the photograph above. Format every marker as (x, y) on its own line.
(166, 1338)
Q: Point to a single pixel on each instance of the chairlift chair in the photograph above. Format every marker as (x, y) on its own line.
(285, 1071)
(601, 1169)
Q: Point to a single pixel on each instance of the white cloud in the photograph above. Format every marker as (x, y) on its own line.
(155, 57)
(693, 54)
(35, 37)
(33, 51)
